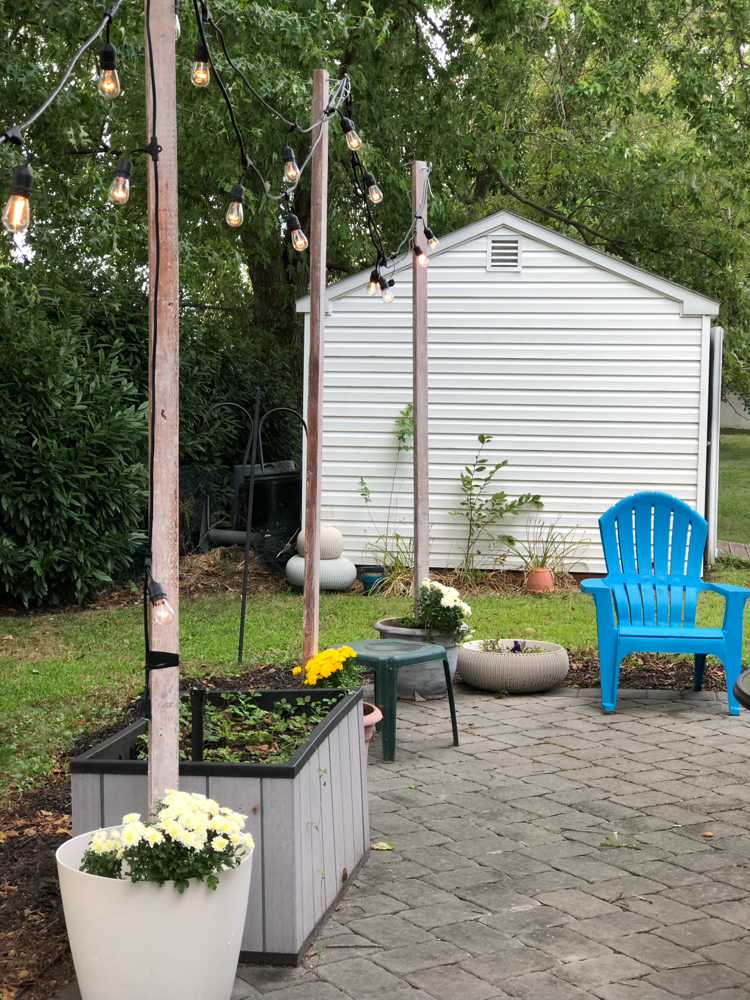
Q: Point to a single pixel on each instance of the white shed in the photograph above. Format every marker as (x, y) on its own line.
(592, 375)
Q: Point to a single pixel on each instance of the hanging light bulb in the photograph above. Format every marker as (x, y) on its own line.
(163, 610)
(353, 141)
(299, 240)
(373, 285)
(235, 213)
(17, 211)
(119, 189)
(422, 257)
(201, 75)
(387, 294)
(431, 238)
(177, 25)
(109, 81)
(373, 191)
(291, 170)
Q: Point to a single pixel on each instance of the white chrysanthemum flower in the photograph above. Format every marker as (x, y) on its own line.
(235, 838)
(247, 841)
(212, 805)
(99, 845)
(172, 828)
(133, 834)
(113, 845)
(219, 843)
(131, 818)
(153, 836)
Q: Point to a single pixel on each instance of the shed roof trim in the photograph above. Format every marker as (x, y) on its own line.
(693, 303)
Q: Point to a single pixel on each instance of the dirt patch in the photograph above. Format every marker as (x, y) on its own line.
(646, 672)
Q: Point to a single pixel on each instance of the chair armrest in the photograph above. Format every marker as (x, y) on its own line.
(602, 594)
(735, 598)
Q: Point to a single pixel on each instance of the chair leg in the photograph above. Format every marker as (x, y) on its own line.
(609, 674)
(732, 668)
(451, 702)
(700, 669)
(387, 706)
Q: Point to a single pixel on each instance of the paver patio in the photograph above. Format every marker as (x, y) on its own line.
(502, 881)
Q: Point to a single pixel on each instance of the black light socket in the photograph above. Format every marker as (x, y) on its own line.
(293, 222)
(201, 52)
(370, 179)
(418, 250)
(429, 234)
(22, 181)
(287, 154)
(347, 125)
(124, 168)
(155, 591)
(238, 194)
(107, 56)
(383, 284)
(374, 276)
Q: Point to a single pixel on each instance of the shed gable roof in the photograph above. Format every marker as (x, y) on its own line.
(692, 303)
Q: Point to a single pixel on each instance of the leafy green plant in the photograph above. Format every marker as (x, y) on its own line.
(519, 646)
(392, 550)
(483, 509)
(545, 546)
(439, 609)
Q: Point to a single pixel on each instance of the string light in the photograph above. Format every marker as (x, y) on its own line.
(119, 189)
(299, 240)
(201, 75)
(374, 192)
(109, 81)
(291, 170)
(235, 213)
(422, 257)
(163, 610)
(353, 141)
(387, 294)
(17, 212)
(373, 285)
(432, 241)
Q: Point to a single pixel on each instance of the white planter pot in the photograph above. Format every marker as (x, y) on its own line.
(423, 681)
(516, 673)
(335, 574)
(141, 941)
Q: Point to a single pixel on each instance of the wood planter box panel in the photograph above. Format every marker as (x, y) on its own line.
(308, 817)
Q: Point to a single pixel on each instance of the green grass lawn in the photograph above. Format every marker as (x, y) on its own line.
(67, 673)
(734, 486)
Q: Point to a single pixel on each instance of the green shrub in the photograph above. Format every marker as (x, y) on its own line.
(72, 480)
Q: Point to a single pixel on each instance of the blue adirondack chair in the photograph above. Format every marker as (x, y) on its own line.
(653, 546)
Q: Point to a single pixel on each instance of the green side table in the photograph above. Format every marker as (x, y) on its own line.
(386, 657)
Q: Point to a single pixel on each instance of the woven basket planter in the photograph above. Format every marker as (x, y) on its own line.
(517, 673)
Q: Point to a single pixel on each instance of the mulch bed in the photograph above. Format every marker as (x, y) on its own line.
(34, 956)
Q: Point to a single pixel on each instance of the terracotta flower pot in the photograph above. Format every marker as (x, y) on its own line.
(373, 716)
(540, 580)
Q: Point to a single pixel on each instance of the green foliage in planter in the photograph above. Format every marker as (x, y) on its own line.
(72, 437)
(439, 609)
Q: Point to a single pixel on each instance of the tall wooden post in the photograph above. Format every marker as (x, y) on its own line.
(419, 370)
(318, 244)
(164, 390)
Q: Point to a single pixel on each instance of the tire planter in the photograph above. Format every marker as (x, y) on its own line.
(423, 681)
(516, 673)
(308, 818)
(335, 574)
(147, 941)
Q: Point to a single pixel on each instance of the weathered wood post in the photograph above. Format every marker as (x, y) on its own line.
(164, 393)
(318, 244)
(420, 397)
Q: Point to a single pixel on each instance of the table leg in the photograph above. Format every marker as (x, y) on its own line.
(387, 705)
(449, 685)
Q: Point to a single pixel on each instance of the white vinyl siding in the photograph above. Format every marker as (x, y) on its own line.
(590, 383)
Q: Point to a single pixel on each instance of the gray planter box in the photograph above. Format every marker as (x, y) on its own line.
(308, 817)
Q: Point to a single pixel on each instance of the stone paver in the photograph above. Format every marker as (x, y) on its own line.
(507, 879)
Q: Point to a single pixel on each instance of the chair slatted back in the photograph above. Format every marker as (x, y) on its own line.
(653, 545)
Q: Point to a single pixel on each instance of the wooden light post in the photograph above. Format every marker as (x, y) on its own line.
(164, 394)
(318, 244)
(419, 371)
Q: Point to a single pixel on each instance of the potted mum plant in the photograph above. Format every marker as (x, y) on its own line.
(337, 668)
(512, 665)
(156, 909)
(439, 618)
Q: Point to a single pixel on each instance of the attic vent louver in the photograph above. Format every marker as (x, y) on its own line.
(503, 254)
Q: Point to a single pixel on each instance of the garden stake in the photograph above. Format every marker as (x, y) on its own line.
(248, 526)
(197, 715)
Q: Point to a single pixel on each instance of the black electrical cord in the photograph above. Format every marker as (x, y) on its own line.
(14, 133)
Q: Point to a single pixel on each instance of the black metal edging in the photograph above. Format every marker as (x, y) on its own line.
(92, 761)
